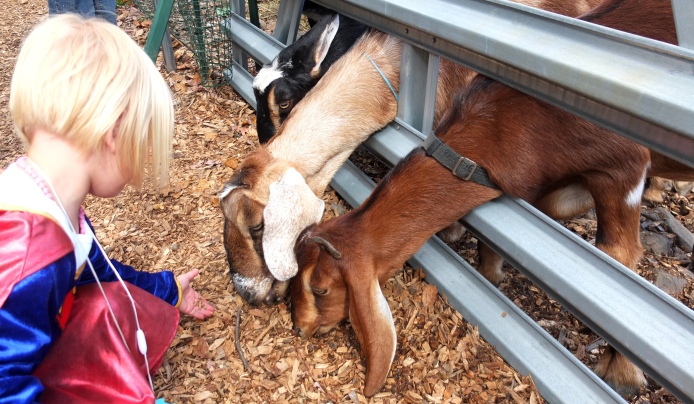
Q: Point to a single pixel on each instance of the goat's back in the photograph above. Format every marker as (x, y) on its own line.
(650, 19)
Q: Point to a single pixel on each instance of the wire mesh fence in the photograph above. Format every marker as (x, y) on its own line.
(197, 25)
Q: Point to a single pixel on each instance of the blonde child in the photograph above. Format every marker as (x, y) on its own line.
(96, 115)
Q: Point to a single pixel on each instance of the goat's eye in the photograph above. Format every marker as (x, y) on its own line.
(320, 292)
(285, 105)
(258, 227)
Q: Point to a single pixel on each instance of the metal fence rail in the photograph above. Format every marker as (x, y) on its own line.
(508, 42)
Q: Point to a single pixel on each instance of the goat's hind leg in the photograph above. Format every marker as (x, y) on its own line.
(654, 190)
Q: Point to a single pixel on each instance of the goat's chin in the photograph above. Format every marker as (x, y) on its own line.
(325, 328)
(319, 330)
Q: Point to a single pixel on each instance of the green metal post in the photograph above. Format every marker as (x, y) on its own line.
(158, 29)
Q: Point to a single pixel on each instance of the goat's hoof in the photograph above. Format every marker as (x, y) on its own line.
(494, 277)
(620, 373)
(683, 187)
(652, 196)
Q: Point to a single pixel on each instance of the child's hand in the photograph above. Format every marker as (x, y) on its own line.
(192, 303)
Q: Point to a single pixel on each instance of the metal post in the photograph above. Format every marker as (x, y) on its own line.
(683, 11)
(238, 55)
(156, 32)
(418, 78)
(288, 19)
(166, 47)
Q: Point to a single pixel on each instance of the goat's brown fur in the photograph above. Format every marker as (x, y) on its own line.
(560, 163)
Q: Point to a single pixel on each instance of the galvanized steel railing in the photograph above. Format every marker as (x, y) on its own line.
(582, 72)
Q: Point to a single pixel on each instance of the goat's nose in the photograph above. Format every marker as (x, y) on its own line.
(271, 297)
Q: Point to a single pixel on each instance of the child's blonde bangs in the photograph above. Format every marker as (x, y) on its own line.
(146, 126)
(79, 78)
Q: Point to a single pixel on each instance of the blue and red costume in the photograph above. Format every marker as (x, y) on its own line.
(40, 276)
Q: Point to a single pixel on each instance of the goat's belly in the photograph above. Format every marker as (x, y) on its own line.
(566, 202)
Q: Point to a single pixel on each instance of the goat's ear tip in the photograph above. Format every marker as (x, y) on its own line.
(371, 388)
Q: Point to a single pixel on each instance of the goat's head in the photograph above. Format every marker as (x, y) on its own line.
(329, 287)
(266, 204)
(279, 85)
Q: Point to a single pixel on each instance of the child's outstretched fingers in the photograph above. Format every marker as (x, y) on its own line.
(192, 303)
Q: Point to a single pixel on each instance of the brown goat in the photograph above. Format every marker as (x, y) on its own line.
(347, 105)
(562, 164)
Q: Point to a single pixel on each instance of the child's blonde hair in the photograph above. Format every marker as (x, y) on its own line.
(79, 78)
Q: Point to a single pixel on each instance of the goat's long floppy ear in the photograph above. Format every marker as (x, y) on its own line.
(291, 207)
(373, 323)
(324, 42)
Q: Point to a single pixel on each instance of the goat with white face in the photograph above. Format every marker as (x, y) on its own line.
(531, 150)
(282, 83)
(316, 139)
(253, 223)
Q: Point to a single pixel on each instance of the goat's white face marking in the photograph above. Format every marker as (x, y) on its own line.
(634, 197)
(227, 190)
(291, 207)
(268, 74)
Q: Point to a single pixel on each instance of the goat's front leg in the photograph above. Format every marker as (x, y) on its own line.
(618, 235)
(618, 217)
(490, 264)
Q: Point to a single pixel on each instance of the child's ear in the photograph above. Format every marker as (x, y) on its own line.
(110, 138)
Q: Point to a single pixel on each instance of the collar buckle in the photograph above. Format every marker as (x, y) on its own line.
(467, 161)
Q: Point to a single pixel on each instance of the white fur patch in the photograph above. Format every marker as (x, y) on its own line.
(384, 312)
(634, 197)
(258, 286)
(227, 190)
(267, 75)
(291, 207)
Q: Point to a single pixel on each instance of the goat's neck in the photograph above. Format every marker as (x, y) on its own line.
(348, 104)
(405, 210)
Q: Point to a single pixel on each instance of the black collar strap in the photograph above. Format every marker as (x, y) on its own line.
(461, 167)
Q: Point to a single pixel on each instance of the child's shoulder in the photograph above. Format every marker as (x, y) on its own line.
(30, 241)
(28, 232)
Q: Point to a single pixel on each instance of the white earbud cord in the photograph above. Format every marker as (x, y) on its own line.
(139, 334)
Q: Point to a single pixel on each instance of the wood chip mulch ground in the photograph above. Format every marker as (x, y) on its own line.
(440, 357)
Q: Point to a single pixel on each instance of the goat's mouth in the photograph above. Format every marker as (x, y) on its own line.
(261, 290)
(323, 329)
(308, 332)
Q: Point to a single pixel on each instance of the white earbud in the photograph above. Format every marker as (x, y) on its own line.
(141, 342)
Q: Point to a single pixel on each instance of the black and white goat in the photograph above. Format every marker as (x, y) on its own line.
(282, 83)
